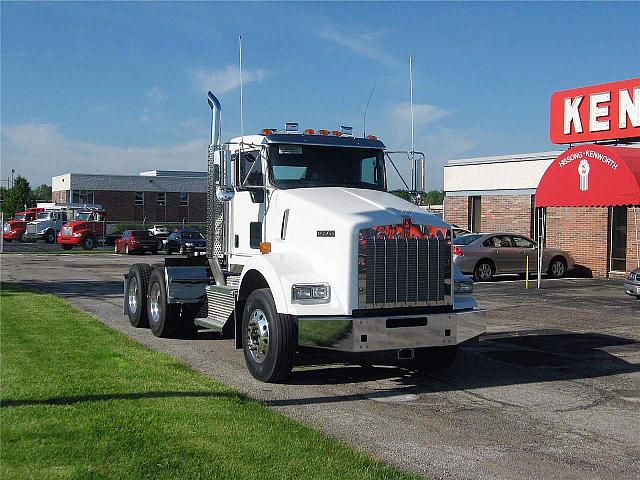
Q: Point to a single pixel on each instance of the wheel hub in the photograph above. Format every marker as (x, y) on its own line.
(133, 295)
(258, 335)
(154, 303)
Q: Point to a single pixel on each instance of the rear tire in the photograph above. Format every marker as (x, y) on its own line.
(163, 316)
(136, 299)
(557, 268)
(269, 339)
(484, 271)
(433, 359)
(50, 236)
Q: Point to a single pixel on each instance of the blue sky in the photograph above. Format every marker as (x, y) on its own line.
(120, 88)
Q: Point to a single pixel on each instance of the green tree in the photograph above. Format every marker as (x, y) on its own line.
(405, 195)
(16, 197)
(433, 197)
(42, 193)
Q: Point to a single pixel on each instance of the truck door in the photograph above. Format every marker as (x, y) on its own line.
(247, 210)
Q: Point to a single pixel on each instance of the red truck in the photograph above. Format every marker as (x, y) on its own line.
(15, 227)
(84, 230)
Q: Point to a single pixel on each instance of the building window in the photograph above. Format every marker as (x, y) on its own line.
(184, 199)
(138, 198)
(161, 200)
(83, 197)
(618, 239)
(475, 214)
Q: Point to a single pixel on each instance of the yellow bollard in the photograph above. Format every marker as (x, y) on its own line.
(526, 278)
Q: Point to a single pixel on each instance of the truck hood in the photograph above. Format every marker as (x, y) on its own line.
(353, 207)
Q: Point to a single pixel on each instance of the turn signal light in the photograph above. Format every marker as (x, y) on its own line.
(309, 131)
(266, 131)
(323, 132)
(336, 133)
(372, 137)
(265, 247)
(458, 251)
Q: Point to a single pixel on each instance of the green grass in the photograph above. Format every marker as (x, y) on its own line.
(79, 400)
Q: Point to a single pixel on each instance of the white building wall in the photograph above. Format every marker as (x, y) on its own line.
(504, 173)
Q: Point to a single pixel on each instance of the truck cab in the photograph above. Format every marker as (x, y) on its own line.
(46, 225)
(306, 248)
(15, 228)
(86, 228)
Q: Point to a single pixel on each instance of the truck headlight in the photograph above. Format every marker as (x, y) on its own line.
(188, 244)
(463, 287)
(6, 227)
(316, 293)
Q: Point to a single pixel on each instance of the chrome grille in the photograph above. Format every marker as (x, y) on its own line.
(66, 231)
(32, 228)
(404, 272)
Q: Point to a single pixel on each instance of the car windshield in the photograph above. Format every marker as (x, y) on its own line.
(298, 166)
(142, 234)
(466, 239)
(44, 216)
(192, 235)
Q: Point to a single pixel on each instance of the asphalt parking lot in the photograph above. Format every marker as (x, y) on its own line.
(551, 391)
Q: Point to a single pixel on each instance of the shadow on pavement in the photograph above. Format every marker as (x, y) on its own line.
(514, 359)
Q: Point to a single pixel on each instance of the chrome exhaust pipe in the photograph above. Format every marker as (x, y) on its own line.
(216, 119)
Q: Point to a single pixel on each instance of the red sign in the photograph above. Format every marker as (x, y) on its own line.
(591, 175)
(609, 111)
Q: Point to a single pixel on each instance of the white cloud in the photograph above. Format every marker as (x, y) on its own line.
(363, 44)
(39, 151)
(156, 93)
(423, 114)
(226, 79)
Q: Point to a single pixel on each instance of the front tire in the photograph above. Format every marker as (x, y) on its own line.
(67, 247)
(89, 242)
(269, 339)
(181, 251)
(50, 236)
(8, 240)
(557, 268)
(484, 271)
(136, 300)
(163, 316)
(433, 359)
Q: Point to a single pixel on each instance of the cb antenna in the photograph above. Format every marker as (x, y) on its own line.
(364, 119)
(241, 99)
(413, 149)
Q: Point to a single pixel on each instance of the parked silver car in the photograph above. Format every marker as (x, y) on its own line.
(632, 283)
(487, 254)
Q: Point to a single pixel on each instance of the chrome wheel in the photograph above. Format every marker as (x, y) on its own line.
(557, 269)
(133, 295)
(484, 271)
(258, 335)
(154, 303)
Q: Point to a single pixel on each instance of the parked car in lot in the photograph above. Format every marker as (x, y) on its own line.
(161, 233)
(487, 254)
(136, 241)
(632, 283)
(459, 231)
(186, 241)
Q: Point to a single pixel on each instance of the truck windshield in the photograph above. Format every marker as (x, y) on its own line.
(44, 216)
(22, 217)
(299, 166)
(84, 216)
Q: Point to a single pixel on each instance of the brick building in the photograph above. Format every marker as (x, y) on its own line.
(157, 196)
(498, 194)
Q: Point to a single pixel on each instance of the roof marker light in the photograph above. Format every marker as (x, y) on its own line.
(336, 133)
(266, 131)
(371, 137)
(347, 131)
(291, 127)
(323, 132)
(309, 131)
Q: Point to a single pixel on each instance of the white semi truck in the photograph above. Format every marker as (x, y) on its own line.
(306, 248)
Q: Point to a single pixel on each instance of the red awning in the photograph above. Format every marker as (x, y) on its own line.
(592, 176)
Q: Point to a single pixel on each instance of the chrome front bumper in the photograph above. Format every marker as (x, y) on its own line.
(370, 334)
